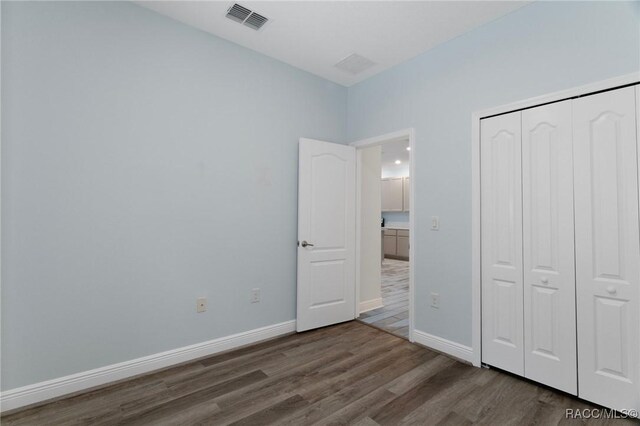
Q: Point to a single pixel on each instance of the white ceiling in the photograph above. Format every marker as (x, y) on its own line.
(392, 151)
(315, 35)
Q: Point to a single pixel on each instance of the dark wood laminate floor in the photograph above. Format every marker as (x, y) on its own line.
(345, 374)
(394, 315)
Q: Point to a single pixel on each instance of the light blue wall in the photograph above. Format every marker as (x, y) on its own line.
(396, 217)
(144, 164)
(544, 47)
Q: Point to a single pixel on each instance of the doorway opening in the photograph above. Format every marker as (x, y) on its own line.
(384, 232)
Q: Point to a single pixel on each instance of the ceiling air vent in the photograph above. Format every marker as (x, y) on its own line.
(355, 64)
(238, 13)
(247, 17)
(255, 21)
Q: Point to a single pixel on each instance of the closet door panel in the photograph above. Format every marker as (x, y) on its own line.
(549, 271)
(501, 229)
(607, 248)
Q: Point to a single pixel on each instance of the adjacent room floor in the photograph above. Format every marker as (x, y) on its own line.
(344, 374)
(394, 315)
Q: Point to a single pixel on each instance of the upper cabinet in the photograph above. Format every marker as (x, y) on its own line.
(395, 194)
(391, 194)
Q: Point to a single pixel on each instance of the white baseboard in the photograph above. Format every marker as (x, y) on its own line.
(38, 392)
(369, 305)
(448, 347)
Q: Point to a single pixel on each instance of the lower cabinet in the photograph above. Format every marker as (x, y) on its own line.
(390, 244)
(396, 243)
(402, 249)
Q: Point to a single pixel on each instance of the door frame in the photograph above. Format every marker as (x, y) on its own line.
(476, 252)
(375, 141)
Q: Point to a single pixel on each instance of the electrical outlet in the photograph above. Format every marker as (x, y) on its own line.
(435, 223)
(255, 295)
(435, 300)
(201, 304)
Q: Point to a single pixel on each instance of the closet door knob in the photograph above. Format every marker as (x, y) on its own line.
(544, 280)
(611, 289)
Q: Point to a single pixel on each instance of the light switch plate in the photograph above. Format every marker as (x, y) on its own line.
(435, 300)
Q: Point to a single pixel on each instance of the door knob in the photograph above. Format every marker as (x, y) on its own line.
(611, 289)
(306, 244)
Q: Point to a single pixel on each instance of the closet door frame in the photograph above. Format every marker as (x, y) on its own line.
(476, 261)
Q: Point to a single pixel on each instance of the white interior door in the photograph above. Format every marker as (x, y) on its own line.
(549, 270)
(501, 236)
(607, 248)
(326, 234)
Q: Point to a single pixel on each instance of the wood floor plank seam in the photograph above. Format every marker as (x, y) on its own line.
(382, 395)
(217, 373)
(361, 387)
(196, 397)
(238, 404)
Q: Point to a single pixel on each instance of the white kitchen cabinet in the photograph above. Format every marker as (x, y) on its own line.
(396, 243)
(395, 194)
(402, 247)
(390, 243)
(391, 194)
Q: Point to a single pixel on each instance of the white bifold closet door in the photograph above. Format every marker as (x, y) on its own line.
(607, 248)
(549, 269)
(501, 236)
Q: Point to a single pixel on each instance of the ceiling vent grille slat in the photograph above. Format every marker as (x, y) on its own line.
(246, 16)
